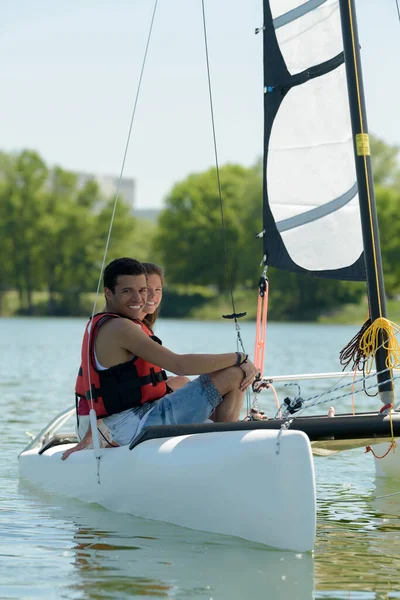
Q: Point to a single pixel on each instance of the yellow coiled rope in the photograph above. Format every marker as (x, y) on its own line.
(371, 340)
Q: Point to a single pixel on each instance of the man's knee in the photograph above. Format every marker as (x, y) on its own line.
(227, 379)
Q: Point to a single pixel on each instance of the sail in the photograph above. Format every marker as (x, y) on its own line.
(311, 209)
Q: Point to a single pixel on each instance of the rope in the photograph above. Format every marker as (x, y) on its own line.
(369, 343)
(398, 9)
(119, 182)
(352, 351)
(362, 348)
(392, 446)
(261, 325)
(234, 316)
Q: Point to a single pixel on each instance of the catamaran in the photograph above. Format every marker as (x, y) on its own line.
(320, 221)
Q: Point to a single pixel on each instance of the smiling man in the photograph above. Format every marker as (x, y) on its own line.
(122, 369)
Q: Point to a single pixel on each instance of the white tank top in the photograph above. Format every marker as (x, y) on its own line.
(99, 367)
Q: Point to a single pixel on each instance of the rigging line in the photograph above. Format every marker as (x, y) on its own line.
(364, 155)
(336, 389)
(121, 174)
(216, 160)
(398, 9)
(341, 387)
(336, 398)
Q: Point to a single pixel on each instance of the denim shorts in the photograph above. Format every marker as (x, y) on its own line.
(192, 403)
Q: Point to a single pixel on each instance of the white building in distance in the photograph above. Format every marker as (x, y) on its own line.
(108, 186)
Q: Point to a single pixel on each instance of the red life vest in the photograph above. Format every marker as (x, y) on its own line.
(127, 385)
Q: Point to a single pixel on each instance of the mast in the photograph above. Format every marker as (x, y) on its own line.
(369, 220)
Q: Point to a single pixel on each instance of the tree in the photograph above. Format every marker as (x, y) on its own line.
(190, 239)
(385, 163)
(68, 238)
(6, 265)
(23, 204)
(388, 206)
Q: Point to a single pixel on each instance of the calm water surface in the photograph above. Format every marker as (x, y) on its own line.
(52, 547)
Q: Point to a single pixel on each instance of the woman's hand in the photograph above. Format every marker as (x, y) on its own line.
(250, 373)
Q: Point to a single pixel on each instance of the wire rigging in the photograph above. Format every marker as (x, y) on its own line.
(398, 9)
(95, 434)
(235, 315)
(125, 154)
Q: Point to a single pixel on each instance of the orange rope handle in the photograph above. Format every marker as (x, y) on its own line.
(261, 330)
(258, 326)
(392, 446)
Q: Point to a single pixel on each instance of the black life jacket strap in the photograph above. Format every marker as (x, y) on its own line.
(153, 378)
(93, 394)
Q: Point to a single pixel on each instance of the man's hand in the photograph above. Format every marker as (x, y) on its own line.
(250, 373)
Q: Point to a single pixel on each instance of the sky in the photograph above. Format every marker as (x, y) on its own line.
(70, 70)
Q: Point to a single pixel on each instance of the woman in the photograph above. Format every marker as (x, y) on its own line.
(155, 282)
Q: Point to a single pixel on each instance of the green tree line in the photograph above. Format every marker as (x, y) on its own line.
(53, 234)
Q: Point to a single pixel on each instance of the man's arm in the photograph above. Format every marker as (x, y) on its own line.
(122, 334)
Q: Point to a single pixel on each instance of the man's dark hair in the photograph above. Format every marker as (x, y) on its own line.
(121, 266)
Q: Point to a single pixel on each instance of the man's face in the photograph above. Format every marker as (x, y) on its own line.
(129, 297)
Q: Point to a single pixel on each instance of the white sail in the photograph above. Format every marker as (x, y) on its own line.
(311, 188)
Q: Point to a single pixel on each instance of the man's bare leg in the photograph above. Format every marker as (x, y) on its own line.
(228, 383)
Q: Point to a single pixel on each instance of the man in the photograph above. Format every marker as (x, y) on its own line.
(122, 372)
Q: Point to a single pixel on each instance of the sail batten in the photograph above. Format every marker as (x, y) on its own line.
(318, 212)
(297, 12)
(311, 211)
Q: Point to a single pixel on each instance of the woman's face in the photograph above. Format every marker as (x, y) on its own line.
(154, 293)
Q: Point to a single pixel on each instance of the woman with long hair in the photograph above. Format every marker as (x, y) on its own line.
(155, 283)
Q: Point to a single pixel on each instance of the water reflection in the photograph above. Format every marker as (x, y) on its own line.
(358, 548)
(121, 556)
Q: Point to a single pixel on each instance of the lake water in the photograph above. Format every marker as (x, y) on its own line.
(52, 547)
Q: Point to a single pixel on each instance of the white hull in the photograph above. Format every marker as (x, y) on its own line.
(389, 466)
(258, 485)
